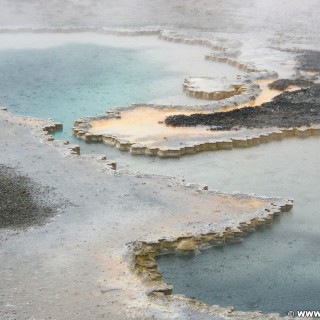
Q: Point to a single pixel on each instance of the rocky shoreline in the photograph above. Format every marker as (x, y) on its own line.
(284, 84)
(144, 253)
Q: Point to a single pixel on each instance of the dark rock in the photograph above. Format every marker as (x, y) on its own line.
(22, 202)
(283, 84)
(289, 109)
(309, 60)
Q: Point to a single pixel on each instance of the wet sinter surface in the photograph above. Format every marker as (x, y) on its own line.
(275, 269)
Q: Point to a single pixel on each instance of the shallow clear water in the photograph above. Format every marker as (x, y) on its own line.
(275, 269)
(74, 80)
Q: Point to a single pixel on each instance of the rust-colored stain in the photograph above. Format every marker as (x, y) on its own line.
(266, 95)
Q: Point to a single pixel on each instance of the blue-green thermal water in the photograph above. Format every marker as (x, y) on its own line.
(74, 80)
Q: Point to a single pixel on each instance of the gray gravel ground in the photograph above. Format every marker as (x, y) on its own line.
(22, 202)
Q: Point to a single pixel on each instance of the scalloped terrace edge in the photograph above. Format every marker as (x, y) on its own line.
(143, 258)
(48, 126)
(142, 254)
(234, 90)
(82, 127)
(227, 55)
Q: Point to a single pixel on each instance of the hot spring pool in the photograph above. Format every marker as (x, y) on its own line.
(74, 80)
(67, 76)
(273, 270)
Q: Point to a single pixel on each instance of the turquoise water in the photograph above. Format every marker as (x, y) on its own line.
(70, 81)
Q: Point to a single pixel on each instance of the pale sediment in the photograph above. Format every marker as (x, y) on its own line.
(190, 241)
(82, 254)
(145, 251)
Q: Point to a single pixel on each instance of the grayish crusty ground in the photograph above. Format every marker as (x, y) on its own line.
(76, 266)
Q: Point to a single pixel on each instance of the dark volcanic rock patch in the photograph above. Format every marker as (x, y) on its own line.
(23, 203)
(309, 60)
(289, 109)
(283, 84)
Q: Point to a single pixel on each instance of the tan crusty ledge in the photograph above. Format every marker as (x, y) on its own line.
(143, 253)
(212, 88)
(141, 131)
